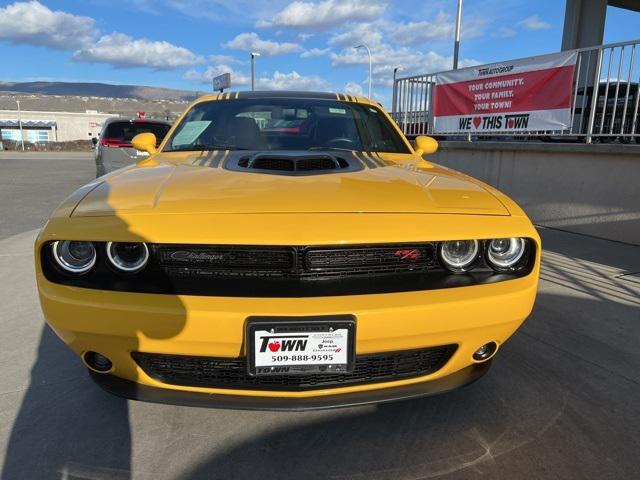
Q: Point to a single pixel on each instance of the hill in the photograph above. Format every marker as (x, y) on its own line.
(105, 90)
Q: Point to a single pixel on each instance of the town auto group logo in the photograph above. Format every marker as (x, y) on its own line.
(518, 121)
(495, 70)
(293, 343)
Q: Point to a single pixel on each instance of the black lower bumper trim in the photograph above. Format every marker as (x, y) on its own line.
(135, 391)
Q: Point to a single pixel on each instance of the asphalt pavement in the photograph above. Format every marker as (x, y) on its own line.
(562, 399)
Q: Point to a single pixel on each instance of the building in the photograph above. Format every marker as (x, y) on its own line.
(43, 126)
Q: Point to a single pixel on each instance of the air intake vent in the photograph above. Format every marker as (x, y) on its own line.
(293, 164)
(213, 372)
(285, 164)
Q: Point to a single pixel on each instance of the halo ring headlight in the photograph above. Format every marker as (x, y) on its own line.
(127, 257)
(505, 253)
(74, 256)
(458, 255)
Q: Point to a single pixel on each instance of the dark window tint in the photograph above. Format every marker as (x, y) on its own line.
(125, 131)
(286, 124)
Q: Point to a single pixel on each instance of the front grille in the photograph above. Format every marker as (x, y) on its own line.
(231, 373)
(392, 258)
(293, 262)
(225, 261)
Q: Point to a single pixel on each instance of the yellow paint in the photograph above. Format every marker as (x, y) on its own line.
(179, 201)
(425, 145)
(145, 142)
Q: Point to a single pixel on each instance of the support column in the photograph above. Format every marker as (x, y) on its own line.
(584, 23)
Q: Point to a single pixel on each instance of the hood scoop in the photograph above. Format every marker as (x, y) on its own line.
(285, 163)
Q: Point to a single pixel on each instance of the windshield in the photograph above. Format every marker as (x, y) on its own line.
(285, 124)
(125, 131)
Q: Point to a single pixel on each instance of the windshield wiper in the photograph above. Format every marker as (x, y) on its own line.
(341, 149)
(201, 147)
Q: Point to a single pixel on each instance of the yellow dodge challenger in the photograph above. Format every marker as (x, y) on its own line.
(286, 250)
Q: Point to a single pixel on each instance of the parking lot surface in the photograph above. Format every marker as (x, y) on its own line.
(561, 399)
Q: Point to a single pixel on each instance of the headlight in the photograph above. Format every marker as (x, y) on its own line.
(505, 253)
(458, 255)
(127, 257)
(74, 256)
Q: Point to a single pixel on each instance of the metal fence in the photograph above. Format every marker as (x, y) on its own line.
(604, 107)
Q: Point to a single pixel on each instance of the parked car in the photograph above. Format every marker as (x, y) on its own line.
(113, 148)
(318, 265)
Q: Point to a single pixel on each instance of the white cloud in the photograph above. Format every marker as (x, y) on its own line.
(534, 22)
(251, 42)
(120, 50)
(353, 88)
(315, 52)
(369, 33)
(324, 14)
(237, 77)
(442, 27)
(32, 23)
(278, 81)
(291, 81)
(385, 58)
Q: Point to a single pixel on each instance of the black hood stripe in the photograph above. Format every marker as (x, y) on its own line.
(207, 158)
(362, 157)
(376, 158)
(219, 158)
(372, 159)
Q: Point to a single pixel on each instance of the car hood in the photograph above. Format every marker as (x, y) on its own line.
(177, 183)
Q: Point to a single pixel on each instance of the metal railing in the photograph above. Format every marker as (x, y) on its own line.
(604, 106)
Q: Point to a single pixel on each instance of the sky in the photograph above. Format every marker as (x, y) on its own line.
(304, 45)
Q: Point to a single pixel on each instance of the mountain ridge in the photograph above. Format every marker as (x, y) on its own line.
(97, 89)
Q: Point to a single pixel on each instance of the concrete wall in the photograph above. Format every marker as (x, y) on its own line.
(70, 125)
(589, 189)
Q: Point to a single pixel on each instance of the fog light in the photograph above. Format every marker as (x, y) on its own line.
(97, 362)
(485, 352)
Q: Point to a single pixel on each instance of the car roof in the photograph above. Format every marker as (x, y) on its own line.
(285, 94)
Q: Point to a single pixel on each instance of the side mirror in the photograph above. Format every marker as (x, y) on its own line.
(425, 145)
(145, 142)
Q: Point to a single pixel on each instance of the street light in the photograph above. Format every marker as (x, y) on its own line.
(20, 124)
(456, 45)
(253, 69)
(364, 45)
(395, 90)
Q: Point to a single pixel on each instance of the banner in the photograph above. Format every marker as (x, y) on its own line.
(520, 95)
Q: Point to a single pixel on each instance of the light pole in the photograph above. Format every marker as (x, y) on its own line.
(395, 90)
(456, 45)
(364, 45)
(253, 69)
(20, 124)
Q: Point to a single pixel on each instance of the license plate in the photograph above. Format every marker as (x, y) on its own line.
(300, 345)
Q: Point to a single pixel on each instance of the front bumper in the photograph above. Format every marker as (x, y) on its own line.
(135, 391)
(116, 324)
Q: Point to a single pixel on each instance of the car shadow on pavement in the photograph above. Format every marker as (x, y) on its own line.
(67, 427)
